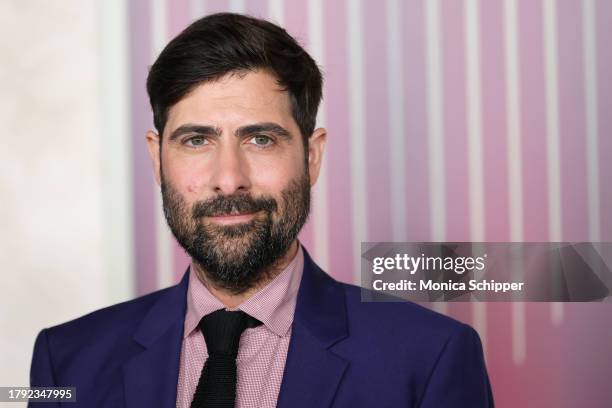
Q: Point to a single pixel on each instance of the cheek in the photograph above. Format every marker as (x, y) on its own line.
(192, 183)
(186, 177)
(272, 176)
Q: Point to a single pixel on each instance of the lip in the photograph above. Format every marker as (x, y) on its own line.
(232, 219)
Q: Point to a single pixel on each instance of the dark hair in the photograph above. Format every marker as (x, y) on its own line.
(226, 43)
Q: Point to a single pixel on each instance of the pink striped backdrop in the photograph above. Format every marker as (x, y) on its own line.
(538, 355)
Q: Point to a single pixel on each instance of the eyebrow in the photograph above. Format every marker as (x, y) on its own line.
(202, 130)
(211, 131)
(266, 127)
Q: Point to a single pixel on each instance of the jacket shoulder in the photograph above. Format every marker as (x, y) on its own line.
(422, 348)
(392, 318)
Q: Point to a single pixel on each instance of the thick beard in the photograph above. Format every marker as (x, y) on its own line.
(238, 257)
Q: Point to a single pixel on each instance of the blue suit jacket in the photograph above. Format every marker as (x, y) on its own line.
(342, 353)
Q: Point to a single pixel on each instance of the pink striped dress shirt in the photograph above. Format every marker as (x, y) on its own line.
(263, 349)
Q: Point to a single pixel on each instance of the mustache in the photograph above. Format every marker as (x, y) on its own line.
(233, 204)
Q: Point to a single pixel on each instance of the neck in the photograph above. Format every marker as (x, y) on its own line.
(232, 300)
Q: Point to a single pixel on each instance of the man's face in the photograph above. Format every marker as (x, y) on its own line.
(234, 176)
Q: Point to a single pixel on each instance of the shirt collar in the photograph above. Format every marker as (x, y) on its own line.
(273, 305)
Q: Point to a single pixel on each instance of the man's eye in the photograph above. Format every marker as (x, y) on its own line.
(262, 140)
(196, 141)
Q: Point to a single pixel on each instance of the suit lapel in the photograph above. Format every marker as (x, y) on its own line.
(312, 371)
(151, 376)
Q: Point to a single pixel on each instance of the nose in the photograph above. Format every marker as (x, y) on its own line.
(230, 174)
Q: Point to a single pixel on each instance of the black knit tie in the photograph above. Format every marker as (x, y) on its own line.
(217, 385)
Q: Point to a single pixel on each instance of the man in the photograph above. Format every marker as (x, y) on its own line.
(254, 322)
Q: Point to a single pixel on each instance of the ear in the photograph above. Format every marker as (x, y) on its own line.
(153, 143)
(316, 147)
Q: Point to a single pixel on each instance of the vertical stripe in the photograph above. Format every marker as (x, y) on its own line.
(590, 78)
(552, 119)
(435, 126)
(435, 119)
(454, 141)
(336, 90)
(513, 120)
(396, 103)
(417, 185)
(533, 154)
(475, 148)
(376, 121)
(357, 128)
(276, 11)
(116, 161)
(143, 206)
(573, 140)
(495, 123)
(165, 267)
(159, 26)
(514, 162)
(494, 128)
(474, 105)
(604, 97)
(552, 132)
(320, 200)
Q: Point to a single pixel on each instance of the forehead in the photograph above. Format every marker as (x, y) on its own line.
(234, 99)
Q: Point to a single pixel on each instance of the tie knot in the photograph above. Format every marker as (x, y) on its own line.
(222, 330)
